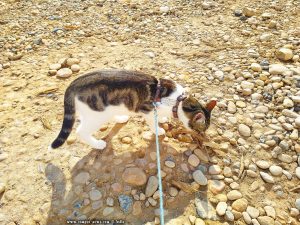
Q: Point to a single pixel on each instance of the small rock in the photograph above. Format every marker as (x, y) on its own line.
(107, 211)
(214, 170)
(284, 54)
(262, 164)
(244, 130)
(64, 73)
(256, 67)
(82, 178)
(164, 9)
(229, 216)
(221, 208)
(285, 158)
(234, 195)
(126, 203)
(267, 178)
(72, 61)
(150, 54)
(134, 176)
(276, 170)
(170, 164)
(116, 187)
(248, 12)
(173, 191)
(294, 212)
(14, 57)
(288, 103)
(297, 203)
(231, 107)
(298, 172)
(110, 201)
(253, 212)
(152, 186)
(199, 221)
(265, 220)
(219, 75)
(270, 211)
(95, 195)
(126, 140)
(199, 177)
(55, 66)
(216, 186)
(240, 205)
(247, 218)
(193, 160)
(75, 68)
(97, 205)
(275, 69)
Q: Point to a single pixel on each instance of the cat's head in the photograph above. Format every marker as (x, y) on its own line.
(196, 116)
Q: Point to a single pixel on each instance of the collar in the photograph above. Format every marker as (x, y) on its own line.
(157, 97)
(180, 98)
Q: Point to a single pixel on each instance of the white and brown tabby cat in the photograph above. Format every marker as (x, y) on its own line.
(100, 96)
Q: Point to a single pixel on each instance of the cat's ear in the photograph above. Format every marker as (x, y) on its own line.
(211, 105)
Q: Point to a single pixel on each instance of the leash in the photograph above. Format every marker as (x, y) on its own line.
(161, 203)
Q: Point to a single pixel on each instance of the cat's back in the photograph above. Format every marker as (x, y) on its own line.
(109, 77)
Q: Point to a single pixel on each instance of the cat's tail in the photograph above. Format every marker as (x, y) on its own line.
(69, 119)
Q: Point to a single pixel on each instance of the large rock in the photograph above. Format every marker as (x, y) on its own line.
(134, 176)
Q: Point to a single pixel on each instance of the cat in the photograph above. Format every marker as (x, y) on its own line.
(99, 96)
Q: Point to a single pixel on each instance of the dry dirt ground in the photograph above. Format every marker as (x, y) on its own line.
(178, 41)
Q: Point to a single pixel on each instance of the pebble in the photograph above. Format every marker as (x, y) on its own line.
(126, 140)
(164, 9)
(284, 54)
(173, 191)
(227, 171)
(265, 220)
(249, 12)
(275, 170)
(134, 176)
(298, 172)
(14, 57)
(270, 211)
(297, 122)
(64, 73)
(219, 75)
(152, 186)
(294, 212)
(137, 208)
(201, 155)
(253, 212)
(234, 195)
(267, 178)
(107, 211)
(193, 160)
(214, 170)
(199, 221)
(216, 186)
(110, 201)
(116, 187)
(240, 205)
(256, 67)
(199, 177)
(221, 208)
(285, 158)
(262, 164)
(244, 130)
(72, 61)
(55, 66)
(97, 205)
(169, 164)
(229, 216)
(82, 178)
(288, 103)
(246, 218)
(95, 195)
(126, 203)
(297, 203)
(277, 69)
(75, 68)
(231, 107)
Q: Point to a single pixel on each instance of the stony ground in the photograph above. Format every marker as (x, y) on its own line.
(243, 53)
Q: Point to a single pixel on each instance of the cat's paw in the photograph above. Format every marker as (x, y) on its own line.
(100, 145)
(121, 119)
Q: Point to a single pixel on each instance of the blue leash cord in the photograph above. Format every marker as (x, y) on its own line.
(161, 201)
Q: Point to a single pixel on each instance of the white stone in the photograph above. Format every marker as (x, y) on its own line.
(288, 103)
(234, 195)
(107, 211)
(275, 170)
(267, 177)
(253, 212)
(277, 69)
(231, 107)
(298, 172)
(270, 211)
(247, 218)
(297, 203)
(285, 158)
(75, 68)
(221, 208)
(55, 66)
(193, 160)
(247, 85)
(173, 191)
(199, 177)
(297, 122)
(170, 164)
(214, 170)
(262, 164)
(64, 73)
(219, 75)
(256, 67)
(244, 130)
(164, 9)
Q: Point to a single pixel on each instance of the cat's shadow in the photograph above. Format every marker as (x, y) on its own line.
(102, 171)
